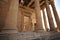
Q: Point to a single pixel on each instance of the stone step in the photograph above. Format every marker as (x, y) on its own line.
(28, 36)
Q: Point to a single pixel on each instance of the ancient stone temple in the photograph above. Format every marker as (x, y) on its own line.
(23, 20)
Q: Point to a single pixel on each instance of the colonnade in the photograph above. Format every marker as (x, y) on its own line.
(14, 18)
(50, 18)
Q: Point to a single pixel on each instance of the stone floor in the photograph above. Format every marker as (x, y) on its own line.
(30, 36)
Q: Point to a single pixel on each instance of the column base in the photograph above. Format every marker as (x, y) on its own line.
(55, 30)
(9, 29)
(40, 31)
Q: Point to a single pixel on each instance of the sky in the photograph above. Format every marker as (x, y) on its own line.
(57, 4)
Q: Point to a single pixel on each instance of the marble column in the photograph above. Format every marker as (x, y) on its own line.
(39, 26)
(30, 23)
(20, 20)
(4, 7)
(45, 21)
(11, 20)
(55, 14)
(52, 28)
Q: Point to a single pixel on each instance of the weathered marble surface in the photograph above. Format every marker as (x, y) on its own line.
(30, 36)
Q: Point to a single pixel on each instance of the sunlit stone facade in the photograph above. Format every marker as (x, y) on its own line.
(17, 17)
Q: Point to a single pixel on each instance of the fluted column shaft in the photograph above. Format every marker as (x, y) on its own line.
(20, 20)
(45, 22)
(4, 8)
(11, 20)
(30, 23)
(55, 14)
(49, 16)
(38, 16)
